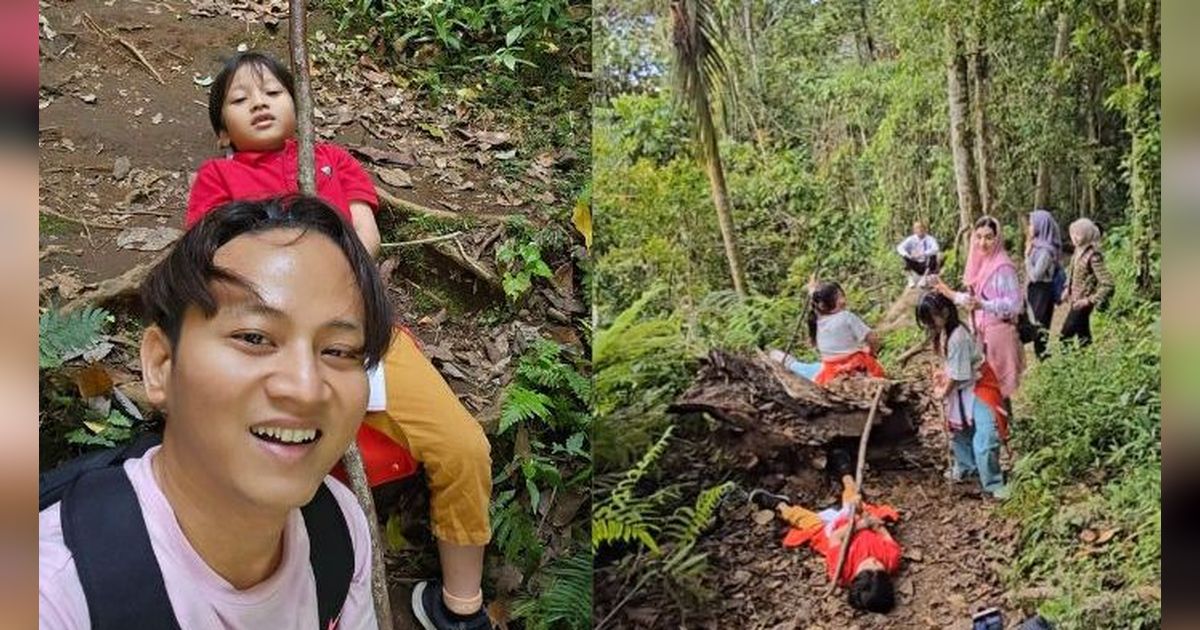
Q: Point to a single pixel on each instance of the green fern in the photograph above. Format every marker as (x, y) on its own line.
(61, 335)
(564, 599)
(514, 532)
(623, 517)
(523, 404)
(687, 523)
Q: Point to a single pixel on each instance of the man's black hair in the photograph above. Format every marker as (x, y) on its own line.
(821, 302)
(261, 63)
(185, 277)
(872, 590)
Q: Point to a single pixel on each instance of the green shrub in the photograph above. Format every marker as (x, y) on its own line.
(1086, 489)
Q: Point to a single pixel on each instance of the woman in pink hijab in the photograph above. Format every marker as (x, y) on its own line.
(993, 298)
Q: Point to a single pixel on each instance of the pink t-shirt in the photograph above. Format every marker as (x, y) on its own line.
(202, 599)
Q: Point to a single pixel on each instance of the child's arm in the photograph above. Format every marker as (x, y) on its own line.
(363, 200)
(363, 219)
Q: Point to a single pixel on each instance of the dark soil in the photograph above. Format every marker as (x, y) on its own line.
(955, 545)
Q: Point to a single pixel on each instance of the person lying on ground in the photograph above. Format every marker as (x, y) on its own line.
(846, 344)
(252, 111)
(873, 556)
(969, 392)
(920, 254)
(261, 323)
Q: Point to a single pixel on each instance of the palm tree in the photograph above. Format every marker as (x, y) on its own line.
(700, 73)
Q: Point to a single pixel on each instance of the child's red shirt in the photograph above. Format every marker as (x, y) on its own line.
(255, 175)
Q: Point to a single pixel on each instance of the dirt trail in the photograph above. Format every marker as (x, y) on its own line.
(955, 544)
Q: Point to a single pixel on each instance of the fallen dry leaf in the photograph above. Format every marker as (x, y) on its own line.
(148, 239)
(93, 381)
(498, 614)
(489, 139)
(762, 517)
(395, 177)
(508, 579)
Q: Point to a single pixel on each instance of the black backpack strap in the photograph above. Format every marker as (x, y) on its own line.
(52, 484)
(103, 526)
(331, 553)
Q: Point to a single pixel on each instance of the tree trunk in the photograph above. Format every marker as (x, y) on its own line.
(720, 196)
(307, 174)
(1041, 197)
(978, 63)
(866, 29)
(1093, 144)
(960, 142)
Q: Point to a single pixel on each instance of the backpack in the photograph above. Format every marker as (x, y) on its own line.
(114, 558)
(1058, 283)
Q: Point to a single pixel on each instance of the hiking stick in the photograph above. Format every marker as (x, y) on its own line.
(352, 460)
(858, 475)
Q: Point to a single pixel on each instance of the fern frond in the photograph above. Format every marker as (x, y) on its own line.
(61, 335)
(523, 404)
(564, 599)
(687, 523)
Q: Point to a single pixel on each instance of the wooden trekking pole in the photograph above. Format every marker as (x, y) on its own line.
(352, 460)
(858, 478)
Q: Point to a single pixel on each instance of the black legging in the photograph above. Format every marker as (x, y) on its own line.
(930, 265)
(1041, 305)
(1078, 326)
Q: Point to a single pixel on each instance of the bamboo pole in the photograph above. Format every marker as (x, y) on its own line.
(858, 476)
(352, 460)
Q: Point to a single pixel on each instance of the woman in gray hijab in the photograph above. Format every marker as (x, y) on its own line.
(1043, 247)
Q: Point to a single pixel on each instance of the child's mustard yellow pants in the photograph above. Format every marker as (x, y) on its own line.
(425, 416)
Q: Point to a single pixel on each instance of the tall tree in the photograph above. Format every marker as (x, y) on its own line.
(1138, 101)
(1041, 196)
(980, 89)
(700, 74)
(960, 133)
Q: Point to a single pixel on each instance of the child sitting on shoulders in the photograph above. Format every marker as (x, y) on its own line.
(252, 111)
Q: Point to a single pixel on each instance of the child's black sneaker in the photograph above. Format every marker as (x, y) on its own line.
(431, 612)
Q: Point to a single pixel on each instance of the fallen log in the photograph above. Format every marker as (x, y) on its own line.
(766, 408)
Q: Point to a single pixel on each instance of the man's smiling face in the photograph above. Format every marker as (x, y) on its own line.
(264, 397)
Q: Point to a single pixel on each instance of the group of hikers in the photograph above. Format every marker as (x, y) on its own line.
(978, 334)
(270, 345)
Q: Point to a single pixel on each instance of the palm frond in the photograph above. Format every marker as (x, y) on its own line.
(701, 73)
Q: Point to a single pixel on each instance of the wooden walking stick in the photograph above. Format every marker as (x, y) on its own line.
(352, 460)
(858, 477)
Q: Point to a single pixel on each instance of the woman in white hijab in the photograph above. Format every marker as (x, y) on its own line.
(1089, 285)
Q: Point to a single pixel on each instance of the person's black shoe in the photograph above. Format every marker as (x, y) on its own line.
(431, 612)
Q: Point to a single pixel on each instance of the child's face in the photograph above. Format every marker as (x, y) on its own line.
(258, 112)
(840, 302)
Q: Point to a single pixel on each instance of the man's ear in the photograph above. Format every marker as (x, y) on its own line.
(156, 365)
